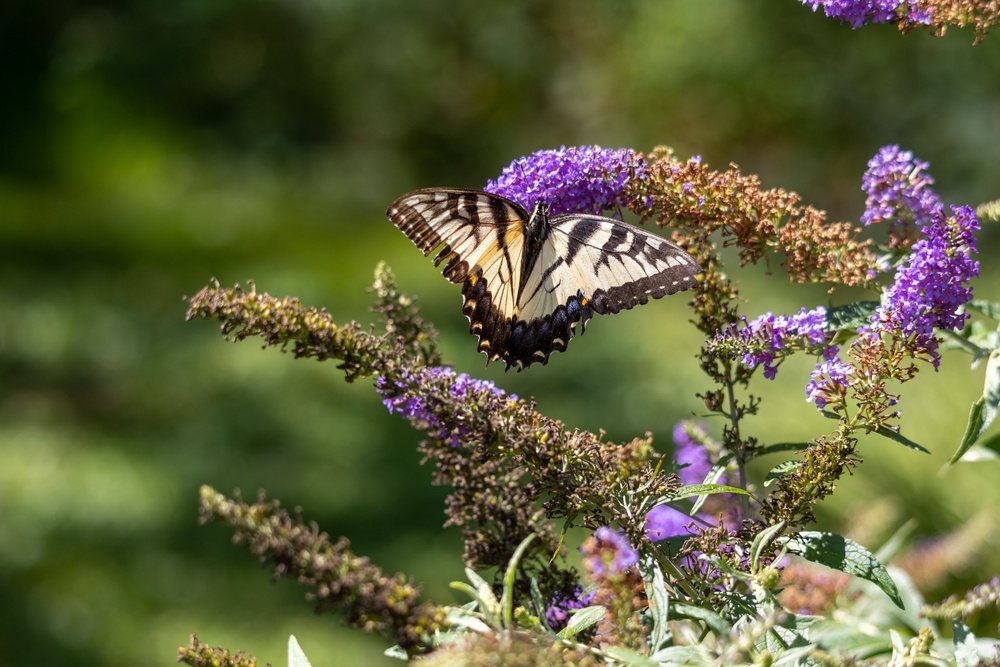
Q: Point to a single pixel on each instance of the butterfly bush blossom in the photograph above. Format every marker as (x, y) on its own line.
(558, 611)
(932, 286)
(898, 192)
(587, 179)
(691, 453)
(769, 337)
(414, 406)
(608, 553)
(860, 12)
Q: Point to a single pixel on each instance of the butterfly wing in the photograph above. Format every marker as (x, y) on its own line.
(527, 283)
(589, 264)
(482, 240)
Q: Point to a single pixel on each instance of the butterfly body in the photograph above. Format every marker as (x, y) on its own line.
(528, 280)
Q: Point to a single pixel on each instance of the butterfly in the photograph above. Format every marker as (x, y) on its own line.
(528, 280)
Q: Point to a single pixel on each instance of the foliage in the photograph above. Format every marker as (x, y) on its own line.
(655, 590)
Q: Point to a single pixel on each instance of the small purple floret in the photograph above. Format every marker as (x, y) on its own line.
(587, 179)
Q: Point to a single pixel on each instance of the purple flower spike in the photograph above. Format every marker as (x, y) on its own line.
(860, 12)
(664, 521)
(614, 554)
(931, 287)
(762, 341)
(829, 382)
(557, 613)
(899, 192)
(690, 452)
(587, 179)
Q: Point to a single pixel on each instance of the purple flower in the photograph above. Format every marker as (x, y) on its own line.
(589, 179)
(898, 192)
(762, 341)
(929, 290)
(412, 396)
(829, 382)
(690, 452)
(664, 521)
(860, 12)
(613, 554)
(557, 613)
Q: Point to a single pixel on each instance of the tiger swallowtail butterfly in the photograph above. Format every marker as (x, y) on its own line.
(528, 280)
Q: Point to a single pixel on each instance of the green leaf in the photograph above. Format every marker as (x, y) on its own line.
(990, 309)
(507, 600)
(984, 409)
(539, 603)
(692, 490)
(581, 620)
(296, 657)
(781, 470)
(714, 621)
(659, 600)
(887, 432)
(786, 446)
(680, 656)
(711, 478)
(850, 316)
(966, 651)
(628, 657)
(845, 555)
(761, 541)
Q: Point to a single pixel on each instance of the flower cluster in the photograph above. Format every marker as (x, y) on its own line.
(693, 454)
(898, 191)
(765, 340)
(860, 12)
(557, 613)
(930, 289)
(587, 179)
(829, 382)
(608, 553)
(398, 398)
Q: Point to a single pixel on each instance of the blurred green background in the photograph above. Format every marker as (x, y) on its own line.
(146, 147)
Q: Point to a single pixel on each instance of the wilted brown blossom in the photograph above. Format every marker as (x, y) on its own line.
(981, 597)
(313, 334)
(811, 589)
(200, 654)
(983, 15)
(339, 579)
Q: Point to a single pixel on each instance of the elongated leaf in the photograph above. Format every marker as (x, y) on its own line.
(850, 316)
(780, 471)
(539, 604)
(507, 600)
(901, 439)
(681, 656)
(715, 622)
(692, 490)
(711, 478)
(581, 620)
(966, 651)
(990, 309)
(629, 657)
(659, 600)
(984, 409)
(846, 555)
(296, 657)
(786, 446)
(761, 541)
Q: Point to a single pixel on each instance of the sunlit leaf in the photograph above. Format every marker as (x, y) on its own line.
(845, 555)
(984, 409)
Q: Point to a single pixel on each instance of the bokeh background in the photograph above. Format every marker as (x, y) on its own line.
(146, 147)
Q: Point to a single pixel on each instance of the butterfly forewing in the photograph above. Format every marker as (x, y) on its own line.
(524, 299)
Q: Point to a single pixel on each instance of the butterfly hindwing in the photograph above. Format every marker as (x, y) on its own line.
(529, 280)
